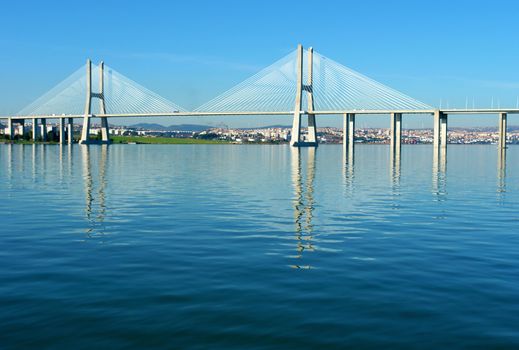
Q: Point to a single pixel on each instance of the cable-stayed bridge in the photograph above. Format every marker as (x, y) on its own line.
(303, 83)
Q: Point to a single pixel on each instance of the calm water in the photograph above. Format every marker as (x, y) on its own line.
(234, 247)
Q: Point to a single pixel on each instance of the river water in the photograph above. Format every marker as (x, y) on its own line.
(243, 247)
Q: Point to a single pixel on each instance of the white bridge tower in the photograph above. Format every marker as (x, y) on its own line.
(85, 133)
(296, 137)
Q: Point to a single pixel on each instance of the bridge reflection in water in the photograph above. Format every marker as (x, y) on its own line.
(439, 173)
(501, 170)
(95, 194)
(303, 169)
(94, 160)
(394, 168)
(348, 166)
(303, 203)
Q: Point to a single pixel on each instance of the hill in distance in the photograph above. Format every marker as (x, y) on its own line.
(181, 127)
(193, 127)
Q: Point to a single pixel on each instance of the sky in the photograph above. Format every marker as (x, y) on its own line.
(443, 53)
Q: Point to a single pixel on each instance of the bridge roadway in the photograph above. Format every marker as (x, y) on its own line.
(439, 121)
(476, 111)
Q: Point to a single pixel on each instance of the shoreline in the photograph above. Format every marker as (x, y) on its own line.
(186, 141)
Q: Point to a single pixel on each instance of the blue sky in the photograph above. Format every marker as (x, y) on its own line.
(190, 51)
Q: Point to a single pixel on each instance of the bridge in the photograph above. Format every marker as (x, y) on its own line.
(325, 87)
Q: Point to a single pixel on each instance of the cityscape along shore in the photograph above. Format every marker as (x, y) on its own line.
(205, 134)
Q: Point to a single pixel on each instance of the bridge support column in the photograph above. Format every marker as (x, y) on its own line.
(11, 128)
(351, 130)
(85, 131)
(105, 133)
(436, 129)
(345, 121)
(22, 124)
(295, 136)
(440, 130)
(443, 130)
(70, 130)
(396, 132)
(502, 130)
(312, 131)
(61, 131)
(43, 129)
(35, 129)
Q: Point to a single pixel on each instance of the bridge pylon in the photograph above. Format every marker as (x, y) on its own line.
(85, 133)
(296, 137)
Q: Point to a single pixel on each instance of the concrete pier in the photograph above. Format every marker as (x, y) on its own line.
(345, 121)
(43, 129)
(10, 125)
(396, 132)
(104, 130)
(436, 129)
(502, 130)
(11, 128)
(35, 132)
(443, 130)
(22, 123)
(440, 129)
(85, 132)
(61, 131)
(70, 131)
(351, 130)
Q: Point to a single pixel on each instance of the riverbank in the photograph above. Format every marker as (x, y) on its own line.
(27, 142)
(132, 139)
(163, 140)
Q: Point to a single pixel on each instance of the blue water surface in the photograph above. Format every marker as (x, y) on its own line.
(258, 247)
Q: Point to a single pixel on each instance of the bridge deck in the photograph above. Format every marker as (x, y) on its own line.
(479, 111)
